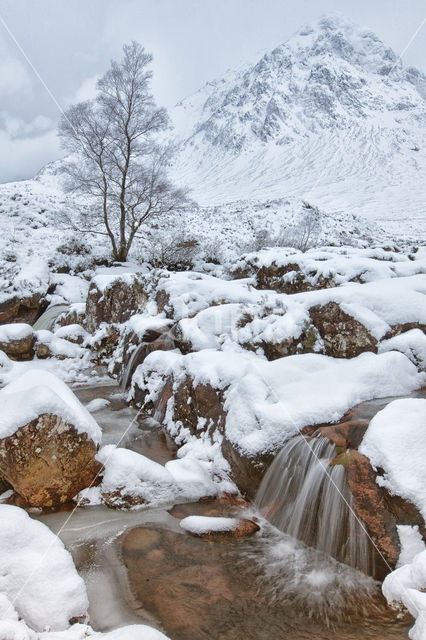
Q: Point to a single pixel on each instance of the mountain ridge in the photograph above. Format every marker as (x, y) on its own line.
(331, 112)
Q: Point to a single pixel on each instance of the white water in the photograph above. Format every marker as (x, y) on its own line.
(47, 319)
(305, 497)
(131, 366)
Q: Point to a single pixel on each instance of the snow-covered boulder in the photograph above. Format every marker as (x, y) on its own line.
(37, 575)
(17, 341)
(253, 406)
(288, 270)
(395, 443)
(51, 344)
(211, 528)
(74, 333)
(48, 440)
(113, 296)
(130, 479)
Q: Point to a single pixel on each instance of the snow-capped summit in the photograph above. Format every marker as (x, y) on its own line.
(333, 105)
(329, 75)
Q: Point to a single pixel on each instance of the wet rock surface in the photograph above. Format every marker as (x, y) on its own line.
(379, 511)
(199, 589)
(47, 462)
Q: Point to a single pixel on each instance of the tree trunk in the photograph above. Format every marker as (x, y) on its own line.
(121, 254)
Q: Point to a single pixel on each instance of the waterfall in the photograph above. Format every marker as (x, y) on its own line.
(309, 499)
(47, 319)
(135, 359)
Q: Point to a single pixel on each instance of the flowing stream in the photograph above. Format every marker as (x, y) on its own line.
(305, 497)
(141, 567)
(47, 319)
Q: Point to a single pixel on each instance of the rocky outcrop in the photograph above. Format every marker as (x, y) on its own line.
(246, 471)
(43, 351)
(17, 341)
(370, 506)
(134, 352)
(343, 336)
(17, 309)
(74, 315)
(115, 302)
(199, 407)
(48, 462)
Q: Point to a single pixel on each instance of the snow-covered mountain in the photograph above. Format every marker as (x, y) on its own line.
(331, 116)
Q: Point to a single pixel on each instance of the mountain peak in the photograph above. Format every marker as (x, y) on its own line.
(335, 35)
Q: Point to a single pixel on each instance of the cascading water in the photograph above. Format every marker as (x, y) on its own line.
(47, 319)
(135, 359)
(309, 499)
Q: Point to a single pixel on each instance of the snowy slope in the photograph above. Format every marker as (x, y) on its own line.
(331, 116)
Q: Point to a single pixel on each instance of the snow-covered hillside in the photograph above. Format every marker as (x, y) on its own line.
(331, 116)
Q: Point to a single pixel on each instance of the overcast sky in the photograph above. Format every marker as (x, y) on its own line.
(70, 42)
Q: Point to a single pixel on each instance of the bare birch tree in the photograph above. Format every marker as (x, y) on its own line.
(117, 159)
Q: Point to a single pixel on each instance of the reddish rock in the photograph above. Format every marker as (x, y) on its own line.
(201, 402)
(343, 336)
(4, 485)
(242, 529)
(163, 303)
(226, 505)
(71, 316)
(119, 499)
(346, 435)
(28, 309)
(370, 506)
(273, 276)
(47, 461)
(21, 348)
(116, 303)
(397, 329)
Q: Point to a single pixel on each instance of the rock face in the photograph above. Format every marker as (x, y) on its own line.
(27, 309)
(199, 407)
(247, 472)
(287, 278)
(43, 351)
(47, 461)
(17, 341)
(115, 303)
(135, 354)
(343, 336)
(74, 315)
(371, 508)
